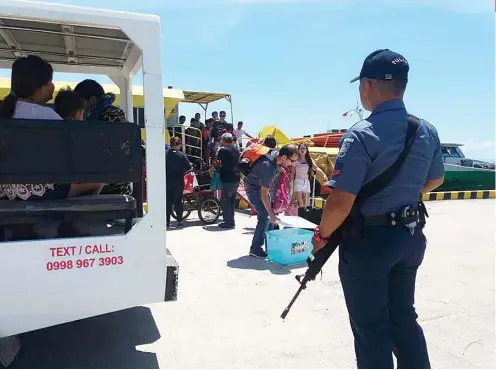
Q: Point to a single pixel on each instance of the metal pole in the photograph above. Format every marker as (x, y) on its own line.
(232, 114)
(359, 111)
(183, 138)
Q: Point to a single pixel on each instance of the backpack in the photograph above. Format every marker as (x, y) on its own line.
(250, 156)
(281, 194)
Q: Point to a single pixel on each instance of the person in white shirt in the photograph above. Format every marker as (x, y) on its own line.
(239, 134)
(31, 88)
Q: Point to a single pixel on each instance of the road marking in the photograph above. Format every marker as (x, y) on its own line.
(454, 195)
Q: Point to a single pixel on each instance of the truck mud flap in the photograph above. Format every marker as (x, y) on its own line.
(171, 278)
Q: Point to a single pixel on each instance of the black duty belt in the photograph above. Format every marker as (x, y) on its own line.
(408, 217)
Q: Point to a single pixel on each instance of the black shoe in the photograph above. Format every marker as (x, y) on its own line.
(260, 254)
(179, 224)
(225, 225)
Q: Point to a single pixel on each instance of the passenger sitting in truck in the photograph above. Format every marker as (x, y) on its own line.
(98, 104)
(69, 105)
(31, 87)
(99, 107)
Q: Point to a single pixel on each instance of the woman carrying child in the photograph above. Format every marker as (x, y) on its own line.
(301, 173)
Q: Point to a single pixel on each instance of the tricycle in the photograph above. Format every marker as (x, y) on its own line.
(198, 196)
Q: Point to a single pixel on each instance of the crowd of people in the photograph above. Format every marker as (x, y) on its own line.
(277, 180)
(204, 139)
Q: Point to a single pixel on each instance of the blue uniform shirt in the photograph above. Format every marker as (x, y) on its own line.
(372, 145)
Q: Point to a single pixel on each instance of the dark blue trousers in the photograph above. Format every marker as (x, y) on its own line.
(228, 200)
(378, 274)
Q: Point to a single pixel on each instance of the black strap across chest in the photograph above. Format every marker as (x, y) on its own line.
(381, 181)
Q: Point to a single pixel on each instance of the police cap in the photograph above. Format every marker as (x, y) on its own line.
(384, 64)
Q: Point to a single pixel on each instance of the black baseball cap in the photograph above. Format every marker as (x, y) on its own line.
(384, 64)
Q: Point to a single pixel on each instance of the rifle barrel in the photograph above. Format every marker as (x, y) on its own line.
(295, 297)
(314, 267)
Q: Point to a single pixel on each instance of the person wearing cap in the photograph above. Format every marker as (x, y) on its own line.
(378, 270)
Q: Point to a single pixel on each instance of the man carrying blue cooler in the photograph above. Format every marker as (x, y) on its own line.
(258, 184)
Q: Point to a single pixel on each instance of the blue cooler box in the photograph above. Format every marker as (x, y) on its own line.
(289, 246)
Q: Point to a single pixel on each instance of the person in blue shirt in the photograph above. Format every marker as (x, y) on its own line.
(378, 270)
(258, 185)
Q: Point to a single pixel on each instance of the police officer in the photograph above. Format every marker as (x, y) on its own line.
(378, 269)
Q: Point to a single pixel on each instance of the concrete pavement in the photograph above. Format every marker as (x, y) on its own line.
(227, 313)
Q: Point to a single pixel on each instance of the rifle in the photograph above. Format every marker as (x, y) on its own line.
(314, 267)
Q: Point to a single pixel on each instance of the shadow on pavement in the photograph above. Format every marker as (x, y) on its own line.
(107, 341)
(186, 224)
(244, 211)
(215, 228)
(251, 263)
(248, 231)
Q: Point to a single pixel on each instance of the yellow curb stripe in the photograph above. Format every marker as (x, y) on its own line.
(448, 195)
(453, 195)
(445, 195)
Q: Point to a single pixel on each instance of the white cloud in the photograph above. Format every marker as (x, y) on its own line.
(462, 6)
(283, 1)
(141, 5)
(459, 6)
(481, 150)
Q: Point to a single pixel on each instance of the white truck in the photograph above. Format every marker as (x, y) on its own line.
(46, 281)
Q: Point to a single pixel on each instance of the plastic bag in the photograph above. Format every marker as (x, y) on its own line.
(216, 183)
(281, 199)
(189, 182)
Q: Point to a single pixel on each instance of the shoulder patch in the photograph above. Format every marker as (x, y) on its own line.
(345, 147)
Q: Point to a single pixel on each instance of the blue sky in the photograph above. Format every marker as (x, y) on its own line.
(288, 62)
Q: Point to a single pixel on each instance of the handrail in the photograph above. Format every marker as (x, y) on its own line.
(189, 148)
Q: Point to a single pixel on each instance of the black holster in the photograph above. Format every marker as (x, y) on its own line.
(352, 226)
(422, 213)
